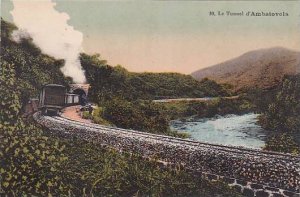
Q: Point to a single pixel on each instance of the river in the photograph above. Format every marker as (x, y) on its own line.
(235, 130)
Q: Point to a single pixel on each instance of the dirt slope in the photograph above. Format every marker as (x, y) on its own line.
(262, 68)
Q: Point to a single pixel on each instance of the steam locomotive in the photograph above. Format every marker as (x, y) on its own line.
(54, 97)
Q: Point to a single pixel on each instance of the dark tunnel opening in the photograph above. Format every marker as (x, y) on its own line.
(82, 96)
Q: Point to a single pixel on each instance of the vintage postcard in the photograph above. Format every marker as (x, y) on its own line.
(150, 98)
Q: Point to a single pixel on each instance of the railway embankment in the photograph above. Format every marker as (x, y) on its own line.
(252, 172)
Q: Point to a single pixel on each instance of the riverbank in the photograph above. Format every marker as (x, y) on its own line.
(181, 109)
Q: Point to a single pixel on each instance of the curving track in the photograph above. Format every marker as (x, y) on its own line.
(271, 169)
(177, 141)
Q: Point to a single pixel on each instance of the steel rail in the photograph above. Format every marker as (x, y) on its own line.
(178, 141)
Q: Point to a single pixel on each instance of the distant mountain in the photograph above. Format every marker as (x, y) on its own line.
(261, 68)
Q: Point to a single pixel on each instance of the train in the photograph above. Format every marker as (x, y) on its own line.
(54, 97)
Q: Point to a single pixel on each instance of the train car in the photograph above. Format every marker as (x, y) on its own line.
(71, 99)
(52, 98)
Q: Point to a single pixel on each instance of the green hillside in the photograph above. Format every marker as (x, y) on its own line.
(108, 82)
(33, 68)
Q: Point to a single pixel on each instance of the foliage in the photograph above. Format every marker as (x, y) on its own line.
(282, 142)
(260, 98)
(33, 68)
(139, 115)
(282, 117)
(86, 115)
(212, 88)
(142, 116)
(109, 82)
(30, 162)
(218, 106)
(97, 116)
(283, 114)
(105, 172)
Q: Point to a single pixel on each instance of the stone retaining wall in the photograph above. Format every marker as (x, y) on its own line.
(252, 172)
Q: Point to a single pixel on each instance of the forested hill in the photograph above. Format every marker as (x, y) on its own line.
(33, 68)
(108, 81)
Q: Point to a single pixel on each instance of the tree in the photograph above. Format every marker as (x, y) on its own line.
(143, 116)
(283, 117)
(283, 114)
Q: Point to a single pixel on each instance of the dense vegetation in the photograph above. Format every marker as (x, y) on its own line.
(282, 142)
(30, 162)
(33, 68)
(154, 117)
(109, 82)
(140, 115)
(283, 116)
(105, 172)
(217, 106)
(35, 163)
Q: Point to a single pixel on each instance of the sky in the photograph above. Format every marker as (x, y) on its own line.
(170, 36)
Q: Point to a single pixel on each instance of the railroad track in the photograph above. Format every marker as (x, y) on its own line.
(184, 143)
(261, 172)
(244, 166)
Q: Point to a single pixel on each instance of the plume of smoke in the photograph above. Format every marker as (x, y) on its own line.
(18, 35)
(49, 30)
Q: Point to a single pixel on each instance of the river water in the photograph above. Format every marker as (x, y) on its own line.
(235, 130)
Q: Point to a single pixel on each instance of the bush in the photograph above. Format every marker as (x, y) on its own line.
(30, 162)
(282, 143)
(283, 114)
(139, 115)
(105, 172)
(143, 116)
(98, 117)
(218, 106)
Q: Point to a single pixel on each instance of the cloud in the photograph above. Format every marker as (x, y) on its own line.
(51, 32)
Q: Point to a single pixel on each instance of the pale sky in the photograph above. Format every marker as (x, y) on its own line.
(177, 36)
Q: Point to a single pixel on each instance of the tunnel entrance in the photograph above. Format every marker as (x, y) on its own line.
(82, 96)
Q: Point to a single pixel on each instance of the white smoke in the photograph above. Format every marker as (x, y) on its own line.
(50, 31)
(20, 34)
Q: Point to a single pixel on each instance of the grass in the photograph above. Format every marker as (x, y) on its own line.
(96, 116)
